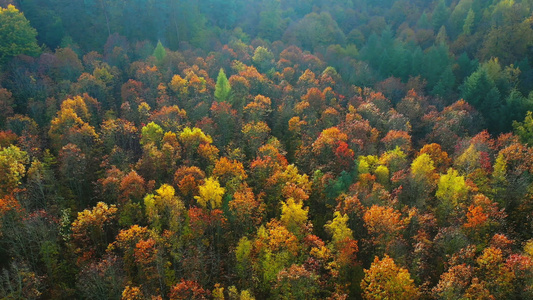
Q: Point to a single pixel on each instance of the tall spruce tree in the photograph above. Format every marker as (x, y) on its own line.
(222, 88)
(159, 52)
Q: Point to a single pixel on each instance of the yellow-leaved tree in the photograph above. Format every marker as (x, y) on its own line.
(164, 208)
(452, 191)
(210, 193)
(293, 215)
(422, 179)
(12, 168)
(338, 228)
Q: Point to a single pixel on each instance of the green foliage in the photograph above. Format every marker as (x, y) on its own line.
(16, 34)
(439, 15)
(524, 129)
(370, 75)
(222, 88)
(480, 90)
(315, 30)
(271, 24)
(263, 59)
(151, 133)
(469, 22)
(159, 52)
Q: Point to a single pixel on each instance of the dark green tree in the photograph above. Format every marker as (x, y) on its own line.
(271, 24)
(315, 30)
(439, 15)
(480, 90)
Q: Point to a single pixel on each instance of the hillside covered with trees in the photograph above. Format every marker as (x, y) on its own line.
(266, 149)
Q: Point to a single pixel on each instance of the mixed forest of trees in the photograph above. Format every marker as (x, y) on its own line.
(266, 149)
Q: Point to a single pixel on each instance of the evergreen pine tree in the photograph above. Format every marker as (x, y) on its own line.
(222, 88)
(159, 52)
(469, 22)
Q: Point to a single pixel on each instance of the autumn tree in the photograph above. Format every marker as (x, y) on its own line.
(164, 210)
(187, 179)
(293, 215)
(296, 282)
(192, 139)
(256, 133)
(119, 133)
(276, 248)
(332, 142)
(229, 173)
(440, 158)
(385, 279)
(68, 127)
(385, 225)
(93, 230)
(13, 163)
(258, 109)
(246, 210)
(451, 193)
(210, 194)
(422, 179)
(187, 289)
(343, 248)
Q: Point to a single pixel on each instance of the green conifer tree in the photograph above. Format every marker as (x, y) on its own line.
(159, 52)
(222, 88)
(469, 22)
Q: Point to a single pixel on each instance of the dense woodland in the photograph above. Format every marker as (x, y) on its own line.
(266, 149)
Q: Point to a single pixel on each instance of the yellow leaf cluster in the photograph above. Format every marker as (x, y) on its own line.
(163, 207)
(210, 193)
(338, 228)
(452, 188)
(179, 85)
(422, 167)
(293, 215)
(194, 136)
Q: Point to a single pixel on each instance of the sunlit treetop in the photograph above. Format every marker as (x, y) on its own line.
(16, 34)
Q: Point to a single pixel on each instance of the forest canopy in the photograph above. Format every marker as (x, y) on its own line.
(266, 149)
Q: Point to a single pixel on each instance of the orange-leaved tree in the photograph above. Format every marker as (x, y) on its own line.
(386, 280)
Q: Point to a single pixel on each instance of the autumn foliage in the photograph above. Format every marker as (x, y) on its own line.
(266, 149)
